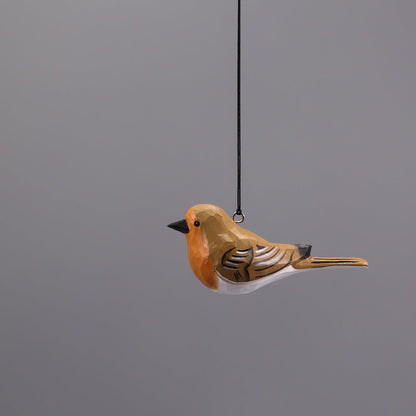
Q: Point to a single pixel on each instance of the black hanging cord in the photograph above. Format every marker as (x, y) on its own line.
(238, 212)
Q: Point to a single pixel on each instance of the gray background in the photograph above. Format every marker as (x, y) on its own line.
(116, 116)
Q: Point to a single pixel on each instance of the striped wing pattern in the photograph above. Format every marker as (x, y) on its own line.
(244, 265)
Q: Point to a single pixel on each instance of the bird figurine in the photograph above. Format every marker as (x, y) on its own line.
(229, 259)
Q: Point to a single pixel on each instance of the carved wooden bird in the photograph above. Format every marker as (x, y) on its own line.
(229, 259)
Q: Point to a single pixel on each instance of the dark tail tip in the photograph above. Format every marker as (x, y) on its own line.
(304, 250)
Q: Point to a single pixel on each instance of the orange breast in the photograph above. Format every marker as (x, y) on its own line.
(199, 259)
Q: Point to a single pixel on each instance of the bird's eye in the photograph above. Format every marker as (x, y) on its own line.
(197, 223)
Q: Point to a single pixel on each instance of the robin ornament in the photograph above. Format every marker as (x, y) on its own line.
(229, 259)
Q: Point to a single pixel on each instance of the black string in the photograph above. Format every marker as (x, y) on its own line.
(238, 210)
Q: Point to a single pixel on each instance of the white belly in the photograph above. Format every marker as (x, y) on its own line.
(238, 288)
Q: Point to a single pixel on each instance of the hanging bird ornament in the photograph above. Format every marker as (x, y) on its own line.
(229, 259)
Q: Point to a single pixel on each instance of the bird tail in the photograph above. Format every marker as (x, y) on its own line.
(318, 262)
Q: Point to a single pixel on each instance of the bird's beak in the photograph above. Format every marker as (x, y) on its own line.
(181, 226)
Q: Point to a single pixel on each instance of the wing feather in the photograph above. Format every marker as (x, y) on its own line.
(255, 262)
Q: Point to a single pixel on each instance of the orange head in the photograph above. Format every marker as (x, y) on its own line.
(194, 226)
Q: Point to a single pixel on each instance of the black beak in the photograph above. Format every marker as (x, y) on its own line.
(181, 226)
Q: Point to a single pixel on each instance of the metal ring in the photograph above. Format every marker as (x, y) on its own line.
(241, 215)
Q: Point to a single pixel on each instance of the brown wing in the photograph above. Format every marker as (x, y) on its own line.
(244, 265)
(234, 264)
